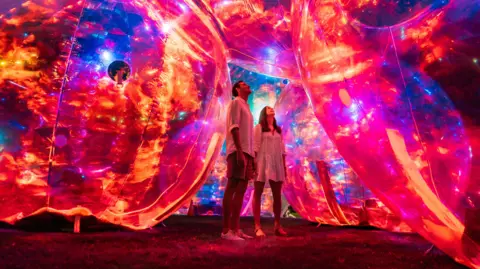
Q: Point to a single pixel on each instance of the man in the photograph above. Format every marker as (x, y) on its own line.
(240, 160)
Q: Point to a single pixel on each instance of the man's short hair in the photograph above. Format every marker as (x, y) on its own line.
(235, 87)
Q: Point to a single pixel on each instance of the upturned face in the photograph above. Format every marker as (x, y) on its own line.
(244, 89)
(270, 111)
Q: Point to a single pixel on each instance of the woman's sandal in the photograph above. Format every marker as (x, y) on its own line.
(280, 232)
(259, 233)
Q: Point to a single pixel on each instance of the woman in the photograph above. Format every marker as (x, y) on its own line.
(270, 158)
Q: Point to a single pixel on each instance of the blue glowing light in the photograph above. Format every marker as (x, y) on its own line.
(271, 53)
(354, 110)
(15, 124)
(181, 115)
(107, 56)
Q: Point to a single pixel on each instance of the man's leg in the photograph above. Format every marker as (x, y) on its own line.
(237, 204)
(227, 203)
(246, 175)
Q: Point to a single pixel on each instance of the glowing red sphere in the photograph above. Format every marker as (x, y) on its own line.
(109, 108)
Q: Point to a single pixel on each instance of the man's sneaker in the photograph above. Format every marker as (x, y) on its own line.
(241, 234)
(230, 235)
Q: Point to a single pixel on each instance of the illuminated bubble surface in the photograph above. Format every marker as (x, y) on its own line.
(321, 186)
(303, 188)
(109, 108)
(387, 12)
(258, 35)
(208, 200)
(394, 125)
(450, 56)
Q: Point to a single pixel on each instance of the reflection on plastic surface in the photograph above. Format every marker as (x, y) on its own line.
(321, 186)
(258, 35)
(393, 124)
(127, 142)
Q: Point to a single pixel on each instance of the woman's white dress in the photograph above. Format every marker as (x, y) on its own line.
(270, 150)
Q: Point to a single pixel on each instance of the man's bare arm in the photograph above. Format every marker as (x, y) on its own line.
(236, 139)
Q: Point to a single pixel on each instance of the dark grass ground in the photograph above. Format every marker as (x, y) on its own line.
(193, 242)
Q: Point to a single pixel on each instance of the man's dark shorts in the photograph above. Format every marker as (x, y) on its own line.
(245, 172)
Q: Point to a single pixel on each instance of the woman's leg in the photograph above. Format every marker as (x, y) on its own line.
(257, 201)
(277, 206)
(277, 201)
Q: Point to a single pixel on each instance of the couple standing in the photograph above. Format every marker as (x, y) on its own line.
(257, 155)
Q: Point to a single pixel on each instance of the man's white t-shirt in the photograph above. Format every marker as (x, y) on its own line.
(239, 116)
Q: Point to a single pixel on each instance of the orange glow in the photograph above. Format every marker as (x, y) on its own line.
(97, 114)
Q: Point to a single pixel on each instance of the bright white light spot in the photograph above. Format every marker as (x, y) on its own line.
(107, 56)
(223, 4)
(271, 53)
(166, 27)
(183, 7)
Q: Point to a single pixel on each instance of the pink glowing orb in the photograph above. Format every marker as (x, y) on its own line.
(396, 128)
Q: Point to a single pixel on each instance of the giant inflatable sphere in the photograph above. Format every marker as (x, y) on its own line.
(391, 122)
(108, 108)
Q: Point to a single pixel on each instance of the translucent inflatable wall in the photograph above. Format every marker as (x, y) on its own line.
(369, 70)
(321, 186)
(108, 108)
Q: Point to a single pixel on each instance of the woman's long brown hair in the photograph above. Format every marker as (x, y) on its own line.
(263, 122)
